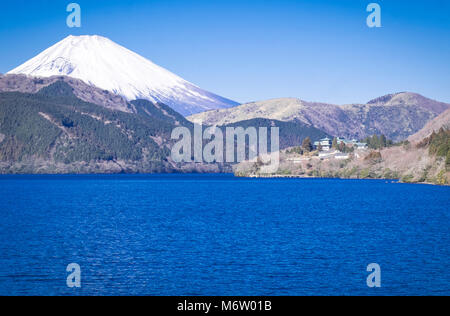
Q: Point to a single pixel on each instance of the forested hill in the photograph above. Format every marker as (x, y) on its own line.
(291, 133)
(53, 131)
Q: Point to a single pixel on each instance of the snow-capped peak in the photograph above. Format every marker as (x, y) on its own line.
(100, 62)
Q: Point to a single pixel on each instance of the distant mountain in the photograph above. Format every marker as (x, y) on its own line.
(397, 115)
(54, 131)
(102, 63)
(407, 98)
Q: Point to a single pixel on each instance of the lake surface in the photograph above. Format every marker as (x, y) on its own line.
(220, 235)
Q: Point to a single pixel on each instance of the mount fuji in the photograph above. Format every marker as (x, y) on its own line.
(100, 62)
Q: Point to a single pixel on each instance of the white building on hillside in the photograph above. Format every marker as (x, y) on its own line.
(325, 143)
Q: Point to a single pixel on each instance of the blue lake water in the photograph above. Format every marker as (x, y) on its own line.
(220, 235)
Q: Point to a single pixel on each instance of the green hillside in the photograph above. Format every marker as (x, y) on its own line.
(55, 126)
(291, 133)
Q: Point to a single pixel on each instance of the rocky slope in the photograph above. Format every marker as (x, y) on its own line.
(397, 116)
(83, 91)
(442, 121)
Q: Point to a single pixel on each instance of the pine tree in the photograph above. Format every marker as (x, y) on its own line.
(383, 141)
(375, 142)
(307, 144)
(335, 143)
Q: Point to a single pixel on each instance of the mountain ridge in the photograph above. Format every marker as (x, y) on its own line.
(442, 121)
(87, 93)
(397, 115)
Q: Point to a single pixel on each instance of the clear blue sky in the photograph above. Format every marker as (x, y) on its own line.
(254, 50)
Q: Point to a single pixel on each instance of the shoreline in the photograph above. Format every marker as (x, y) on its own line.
(281, 176)
(253, 176)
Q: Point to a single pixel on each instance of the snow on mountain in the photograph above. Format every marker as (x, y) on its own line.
(100, 62)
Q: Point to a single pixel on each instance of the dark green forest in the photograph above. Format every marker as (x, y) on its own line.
(77, 130)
